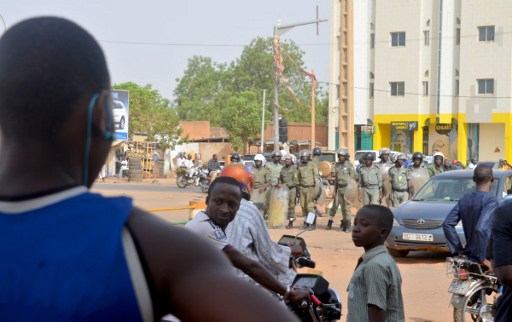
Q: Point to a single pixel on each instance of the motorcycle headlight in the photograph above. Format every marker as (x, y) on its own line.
(396, 223)
(320, 173)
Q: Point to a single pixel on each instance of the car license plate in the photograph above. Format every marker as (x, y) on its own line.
(459, 287)
(418, 237)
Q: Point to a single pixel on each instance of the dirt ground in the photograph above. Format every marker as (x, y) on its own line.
(425, 282)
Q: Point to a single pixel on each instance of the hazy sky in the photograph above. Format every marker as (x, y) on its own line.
(149, 42)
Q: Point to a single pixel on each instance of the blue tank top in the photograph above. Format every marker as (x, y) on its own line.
(65, 262)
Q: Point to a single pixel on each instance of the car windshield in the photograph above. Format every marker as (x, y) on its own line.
(448, 189)
(328, 157)
(359, 155)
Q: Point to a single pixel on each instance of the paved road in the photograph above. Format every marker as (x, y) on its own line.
(424, 277)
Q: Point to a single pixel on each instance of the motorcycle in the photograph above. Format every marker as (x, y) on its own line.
(325, 304)
(474, 292)
(198, 179)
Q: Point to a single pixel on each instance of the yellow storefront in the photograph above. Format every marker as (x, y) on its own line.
(448, 133)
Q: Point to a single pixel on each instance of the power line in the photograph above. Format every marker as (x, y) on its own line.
(150, 43)
(421, 94)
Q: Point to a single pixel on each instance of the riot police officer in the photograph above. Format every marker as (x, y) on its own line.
(343, 172)
(289, 178)
(261, 178)
(417, 175)
(384, 158)
(316, 156)
(274, 170)
(436, 167)
(235, 158)
(370, 181)
(307, 174)
(398, 179)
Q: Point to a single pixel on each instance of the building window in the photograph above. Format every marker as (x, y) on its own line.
(485, 86)
(397, 88)
(426, 34)
(372, 40)
(486, 33)
(457, 36)
(425, 88)
(456, 87)
(398, 39)
(370, 90)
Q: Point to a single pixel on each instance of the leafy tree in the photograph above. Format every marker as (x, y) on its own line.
(151, 114)
(197, 89)
(241, 118)
(206, 87)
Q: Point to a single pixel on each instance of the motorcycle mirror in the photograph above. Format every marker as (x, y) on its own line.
(310, 219)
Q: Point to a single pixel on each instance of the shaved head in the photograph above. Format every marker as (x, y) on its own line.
(483, 174)
(47, 65)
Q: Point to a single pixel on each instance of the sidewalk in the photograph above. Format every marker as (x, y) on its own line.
(158, 181)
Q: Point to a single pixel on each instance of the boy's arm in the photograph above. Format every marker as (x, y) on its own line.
(181, 271)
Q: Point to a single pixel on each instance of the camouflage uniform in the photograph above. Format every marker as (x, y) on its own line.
(370, 181)
(343, 172)
(433, 170)
(410, 173)
(398, 179)
(261, 177)
(289, 178)
(274, 171)
(307, 174)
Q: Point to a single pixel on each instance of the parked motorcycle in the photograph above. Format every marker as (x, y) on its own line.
(474, 292)
(198, 179)
(325, 302)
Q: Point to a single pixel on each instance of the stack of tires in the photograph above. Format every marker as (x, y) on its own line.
(135, 169)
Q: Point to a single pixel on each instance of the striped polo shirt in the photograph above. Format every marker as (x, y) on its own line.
(377, 281)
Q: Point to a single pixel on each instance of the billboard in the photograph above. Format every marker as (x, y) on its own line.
(120, 110)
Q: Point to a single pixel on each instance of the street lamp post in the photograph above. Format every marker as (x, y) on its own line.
(278, 31)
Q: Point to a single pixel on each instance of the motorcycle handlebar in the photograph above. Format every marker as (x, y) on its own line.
(305, 262)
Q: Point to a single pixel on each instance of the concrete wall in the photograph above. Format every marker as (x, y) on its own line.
(492, 142)
(300, 132)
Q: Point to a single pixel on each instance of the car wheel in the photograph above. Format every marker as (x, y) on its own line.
(122, 123)
(398, 252)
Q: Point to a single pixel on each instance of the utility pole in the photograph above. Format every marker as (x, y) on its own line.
(346, 98)
(313, 115)
(278, 31)
(263, 122)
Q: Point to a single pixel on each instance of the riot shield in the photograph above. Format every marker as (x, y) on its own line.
(258, 198)
(278, 208)
(352, 194)
(418, 179)
(386, 185)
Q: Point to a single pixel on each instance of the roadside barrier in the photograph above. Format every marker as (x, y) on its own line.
(194, 206)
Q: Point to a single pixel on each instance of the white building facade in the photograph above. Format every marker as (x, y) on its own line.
(434, 75)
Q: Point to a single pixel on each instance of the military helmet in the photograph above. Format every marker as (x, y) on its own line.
(235, 157)
(288, 157)
(276, 153)
(317, 151)
(304, 153)
(343, 152)
(384, 151)
(259, 157)
(417, 155)
(438, 154)
(400, 156)
(369, 156)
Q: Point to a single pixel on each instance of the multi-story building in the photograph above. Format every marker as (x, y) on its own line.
(434, 75)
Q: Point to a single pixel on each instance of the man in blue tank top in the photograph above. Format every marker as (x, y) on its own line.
(70, 255)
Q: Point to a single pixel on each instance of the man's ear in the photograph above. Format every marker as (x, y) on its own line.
(104, 118)
(384, 232)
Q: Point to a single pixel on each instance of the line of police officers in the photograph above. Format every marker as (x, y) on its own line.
(377, 182)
